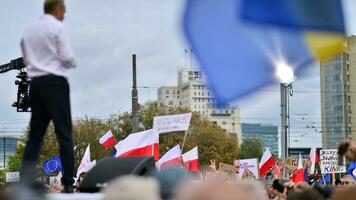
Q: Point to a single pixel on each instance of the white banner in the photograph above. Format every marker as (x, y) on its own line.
(12, 177)
(329, 162)
(172, 123)
(249, 167)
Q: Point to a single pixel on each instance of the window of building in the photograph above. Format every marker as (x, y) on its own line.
(190, 73)
(167, 91)
(167, 97)
(223, 123)
(170, 103)
(202, 93)
(173, 92)
(177, 91)
(339, 119)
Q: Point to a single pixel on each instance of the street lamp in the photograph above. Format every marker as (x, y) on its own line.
(285, 74)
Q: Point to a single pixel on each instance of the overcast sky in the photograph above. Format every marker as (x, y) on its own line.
(105, 34)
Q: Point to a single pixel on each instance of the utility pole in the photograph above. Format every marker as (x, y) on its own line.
(285, 92)
(135, 108)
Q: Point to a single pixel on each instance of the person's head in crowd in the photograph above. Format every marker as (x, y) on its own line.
(347, 149)
(55, 8)
(169, 179)
(305, 194)
(324, 190)
(348, 193)
(132, 188)
(6, 192)
(347, 180)
(222, 190)
(270, 170)
(301, 186)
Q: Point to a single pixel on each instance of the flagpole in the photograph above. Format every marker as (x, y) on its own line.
(185, 138)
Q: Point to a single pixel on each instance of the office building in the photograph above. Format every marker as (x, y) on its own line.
(338, 96)
(191, 92)
(268, 134)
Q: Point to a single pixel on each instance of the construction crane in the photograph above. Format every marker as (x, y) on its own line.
(22, 103)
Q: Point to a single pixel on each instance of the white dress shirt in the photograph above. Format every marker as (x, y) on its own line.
(46, 48)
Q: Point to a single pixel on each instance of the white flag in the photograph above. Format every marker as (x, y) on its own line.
(85, 164)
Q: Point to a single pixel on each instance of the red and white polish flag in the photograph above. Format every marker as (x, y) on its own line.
(314, 158)
(144, 143)
(172, 158)
(107, 140)
(299, 175)
(266, 162)
(191, 160)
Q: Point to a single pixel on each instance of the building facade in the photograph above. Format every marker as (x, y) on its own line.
(8, 146)
(196, 96)
(268, 134)
(338, 96)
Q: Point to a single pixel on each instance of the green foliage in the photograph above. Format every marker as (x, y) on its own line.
(2, 176)
(14, 162)
(213, 142)
(251, 148)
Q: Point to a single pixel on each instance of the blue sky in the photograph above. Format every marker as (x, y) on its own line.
(104, 34)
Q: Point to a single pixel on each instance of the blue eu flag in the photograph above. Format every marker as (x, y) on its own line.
(52, 165)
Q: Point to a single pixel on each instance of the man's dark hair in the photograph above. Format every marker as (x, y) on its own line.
(307, 194)
(50, 5)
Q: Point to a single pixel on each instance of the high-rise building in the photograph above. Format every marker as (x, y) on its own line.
(268, 134)
(338, 96)
(191, 92)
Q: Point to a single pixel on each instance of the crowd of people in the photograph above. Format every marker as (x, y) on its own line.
(176, 183)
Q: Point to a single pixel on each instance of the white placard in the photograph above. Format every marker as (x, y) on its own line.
(172, 123)
(329, 162)
(12, 177)
(249, 165)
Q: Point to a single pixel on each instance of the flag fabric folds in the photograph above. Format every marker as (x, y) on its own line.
(239, 57)
(325, 178)
(266, 162)
(191, 160)
(320, 15)
(299, 174)
(107, 140)
(86, 164)
(173, 157)
(352, 167)
(52, 165)
(314, 158)
(143, 143)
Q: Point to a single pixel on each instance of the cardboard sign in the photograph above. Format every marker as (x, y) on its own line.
(227, 168)
(249, 167)
(12, 177)
(329, 162)
(172, 123)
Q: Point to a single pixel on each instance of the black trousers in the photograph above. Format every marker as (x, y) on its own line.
(49, 100)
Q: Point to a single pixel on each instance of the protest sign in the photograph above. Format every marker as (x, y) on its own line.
(249, 167)
(172, 123)
(329, 162)
(12, 177)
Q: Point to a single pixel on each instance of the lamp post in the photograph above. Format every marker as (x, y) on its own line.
(285, 74)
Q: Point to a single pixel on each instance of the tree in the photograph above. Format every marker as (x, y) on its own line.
(213, 142)
(251, 148)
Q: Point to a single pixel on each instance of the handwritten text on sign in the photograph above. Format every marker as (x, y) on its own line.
(329, 162)
(171, 123)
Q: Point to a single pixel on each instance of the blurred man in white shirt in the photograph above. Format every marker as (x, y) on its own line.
(48, 56)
